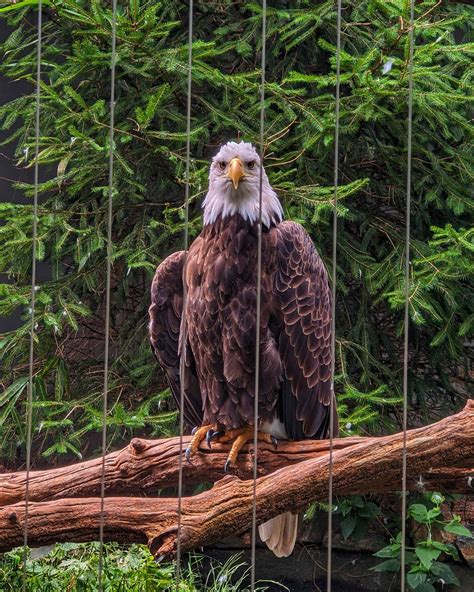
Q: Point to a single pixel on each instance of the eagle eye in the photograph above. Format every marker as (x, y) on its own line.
(251, 164)
(222, 165)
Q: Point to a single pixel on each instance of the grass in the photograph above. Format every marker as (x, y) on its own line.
(73, 567)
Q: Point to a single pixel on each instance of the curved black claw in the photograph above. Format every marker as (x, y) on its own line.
(209, 435)
(218, 434)
(274, 441)
(194, 430)
(187, 454)
(228, 462)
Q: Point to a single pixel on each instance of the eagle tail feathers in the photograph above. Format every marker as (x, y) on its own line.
(279, 533)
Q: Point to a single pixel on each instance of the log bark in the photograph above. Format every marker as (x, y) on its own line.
(368, 466)
(145, 466)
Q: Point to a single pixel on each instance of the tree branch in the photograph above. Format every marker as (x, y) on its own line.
(367, 466)
(144, 466)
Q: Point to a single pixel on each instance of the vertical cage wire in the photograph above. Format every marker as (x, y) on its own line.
(258, 299)
(333, 291)
(107, 291)
(182, 362)
(29, 404)
(407, 292)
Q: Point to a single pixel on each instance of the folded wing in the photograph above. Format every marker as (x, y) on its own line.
(302, 309)
(165, 314)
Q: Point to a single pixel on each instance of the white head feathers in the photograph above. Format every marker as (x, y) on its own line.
(223, 199)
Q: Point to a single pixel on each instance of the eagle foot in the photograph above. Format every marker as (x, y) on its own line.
(199, 434)
(241, 436)
(213, 435)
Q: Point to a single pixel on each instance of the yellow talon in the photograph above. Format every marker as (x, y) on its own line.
(199, 435)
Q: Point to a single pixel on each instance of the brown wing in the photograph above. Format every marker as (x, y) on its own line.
(165, 323)
(302, 307)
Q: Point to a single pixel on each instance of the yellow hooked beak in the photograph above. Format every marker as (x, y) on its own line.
(236, 171)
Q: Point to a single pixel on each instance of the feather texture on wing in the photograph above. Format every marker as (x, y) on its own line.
(302, 307)
(165, 326)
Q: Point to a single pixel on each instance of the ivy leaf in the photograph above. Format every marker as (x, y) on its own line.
(389, 551)
(389, 565)
(444, 572)
(348, 525)
(427, 554)
(415, 579)
(440, 546)
(432, 514)
(419, 512)
(369, 510)
(426, 587)
(459, 529)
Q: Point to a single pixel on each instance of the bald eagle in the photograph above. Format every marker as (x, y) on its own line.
(295, 382)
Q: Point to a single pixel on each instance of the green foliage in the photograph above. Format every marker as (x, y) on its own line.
(74, 567)
(148, 189)
(422, 559)
(364, 412)
(425, 560)
(357, 513)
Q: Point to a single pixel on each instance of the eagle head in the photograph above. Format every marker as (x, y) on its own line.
(234, 187)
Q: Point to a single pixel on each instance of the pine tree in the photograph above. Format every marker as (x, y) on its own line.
(148, 190)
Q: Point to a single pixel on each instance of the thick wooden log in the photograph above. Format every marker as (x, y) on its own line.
(145, 466)
(366, 467)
